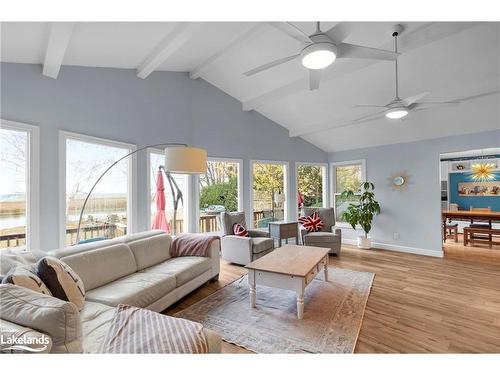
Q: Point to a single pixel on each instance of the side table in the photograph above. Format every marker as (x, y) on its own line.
(283, 230)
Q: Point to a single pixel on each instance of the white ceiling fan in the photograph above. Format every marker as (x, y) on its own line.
(399, 108)
(322, 48)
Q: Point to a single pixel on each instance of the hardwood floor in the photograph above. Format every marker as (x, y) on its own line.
(417, 303)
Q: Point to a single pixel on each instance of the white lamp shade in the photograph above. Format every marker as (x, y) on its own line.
(185, 160)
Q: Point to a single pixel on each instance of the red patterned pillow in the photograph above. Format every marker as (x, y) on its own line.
(239, 230)
(312, 223)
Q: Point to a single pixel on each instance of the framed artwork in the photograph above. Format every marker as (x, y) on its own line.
(479, 189)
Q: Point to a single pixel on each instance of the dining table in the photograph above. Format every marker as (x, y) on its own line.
(467, 215)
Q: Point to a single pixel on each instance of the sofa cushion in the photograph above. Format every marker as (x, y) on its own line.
(26, 277)
(10, 258)
(184, 269)
(62, 281)
(261, 244)
(46, 314)
(139, 235)
(321, 237)
(96, 319)
(151, 250)
(101, 266)
(140, 289)
(75, 249)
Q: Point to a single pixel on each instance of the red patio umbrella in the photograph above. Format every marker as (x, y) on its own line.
(300, 199)
(160, 220)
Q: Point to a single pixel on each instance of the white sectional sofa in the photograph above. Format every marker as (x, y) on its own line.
(136, 270)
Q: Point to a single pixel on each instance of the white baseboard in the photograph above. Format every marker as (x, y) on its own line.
(402, 249)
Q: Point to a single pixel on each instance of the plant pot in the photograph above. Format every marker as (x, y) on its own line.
(364, 242)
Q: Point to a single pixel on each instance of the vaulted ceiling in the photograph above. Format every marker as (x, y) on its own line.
(451, 60)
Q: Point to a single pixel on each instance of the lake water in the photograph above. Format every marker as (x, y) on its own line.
(19, 221)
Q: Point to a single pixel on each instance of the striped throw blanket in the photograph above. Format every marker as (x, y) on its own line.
(135, 330)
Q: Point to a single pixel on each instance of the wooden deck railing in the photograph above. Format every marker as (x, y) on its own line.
(207, 224)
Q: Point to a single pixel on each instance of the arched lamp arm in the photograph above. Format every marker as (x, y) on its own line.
(107, 170)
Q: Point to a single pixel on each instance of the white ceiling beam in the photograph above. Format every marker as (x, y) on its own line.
(59, 37)
(237, 40)
(426, 34)
(180, 34)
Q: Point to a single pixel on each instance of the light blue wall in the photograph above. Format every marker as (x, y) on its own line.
(415, 212)
(115, 104)
(465, 203)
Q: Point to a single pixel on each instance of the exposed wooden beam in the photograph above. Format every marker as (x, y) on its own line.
(180, 34)
(426, 34)
(232, 43)
(59, 37)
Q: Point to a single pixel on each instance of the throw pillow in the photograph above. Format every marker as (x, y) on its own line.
(239, 230)
(62, 281)
(312, 223)
(27, 278)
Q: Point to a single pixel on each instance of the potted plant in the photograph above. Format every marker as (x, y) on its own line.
(362, 212)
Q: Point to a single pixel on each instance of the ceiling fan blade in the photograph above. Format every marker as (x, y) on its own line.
(370, 117)
(421, 106)
(369, 106)
(346, 50)
(314, 78)
(477, 96)
(293, 31)
(340, 31)
(270, 65)
(437, 103)
(415, 98)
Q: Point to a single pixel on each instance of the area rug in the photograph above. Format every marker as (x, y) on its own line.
(333, 315)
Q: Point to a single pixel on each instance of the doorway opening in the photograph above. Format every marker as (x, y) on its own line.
(470, 203)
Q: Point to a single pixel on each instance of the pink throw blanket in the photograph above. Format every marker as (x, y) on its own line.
(192, 244)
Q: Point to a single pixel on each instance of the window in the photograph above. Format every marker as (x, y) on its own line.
(346, 176)
(311, 185)
(218, 191)
(108, 212)
(157, 159)
(19, 188)
(269, 192)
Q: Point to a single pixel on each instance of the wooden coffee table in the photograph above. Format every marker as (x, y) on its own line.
(288, 267)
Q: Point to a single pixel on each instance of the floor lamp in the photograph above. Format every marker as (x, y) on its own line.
(179, 158)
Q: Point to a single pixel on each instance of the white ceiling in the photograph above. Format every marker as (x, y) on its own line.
(452, 60)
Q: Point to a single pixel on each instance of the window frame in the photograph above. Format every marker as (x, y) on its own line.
(32, 238)
(325, 195)
(286, 184)
(196, 189)
(131, 179)
(333, 182)
(187, 197)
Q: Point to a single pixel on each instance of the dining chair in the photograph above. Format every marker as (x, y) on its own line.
(481, 223)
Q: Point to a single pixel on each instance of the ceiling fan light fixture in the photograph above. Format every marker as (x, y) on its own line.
(319, 55)
(396, 113)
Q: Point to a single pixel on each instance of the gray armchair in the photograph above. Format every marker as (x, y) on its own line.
(242, 250)
(329, 236)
